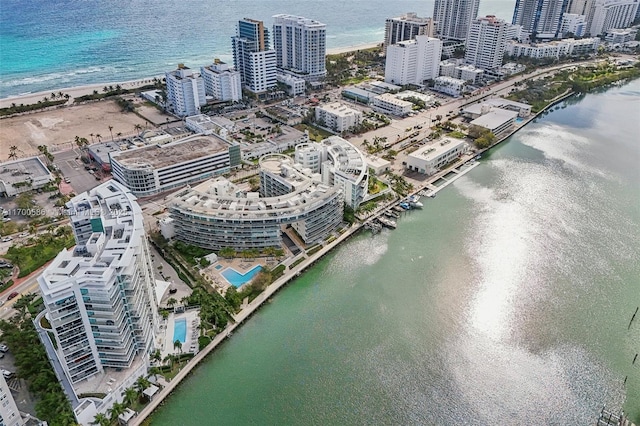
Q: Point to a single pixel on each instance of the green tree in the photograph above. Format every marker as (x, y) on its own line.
(129, 396)
(171, 302)
(116, 409)
(177, 345)
(101, 420)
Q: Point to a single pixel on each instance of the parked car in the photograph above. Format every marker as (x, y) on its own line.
(23, 234)
(13, 295)
(67, 180)
(7, 239)
(7, 374)
(4, 348)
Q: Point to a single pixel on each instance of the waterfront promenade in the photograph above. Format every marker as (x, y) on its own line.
(294, 272)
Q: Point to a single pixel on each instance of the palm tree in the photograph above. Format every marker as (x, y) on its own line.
(140, 385)
(53, 95)
(105, 89)
(137, 127)
(177, 345)
(45, 99)
(129, 396)
(99, 137)
(169, 359)
(119, 135)
(171, 302)
(115, 410)
(111, 131)
(67, 96)
(101, 420)
(156, 355)
(12, 152)
(60, 94)
(154, 372)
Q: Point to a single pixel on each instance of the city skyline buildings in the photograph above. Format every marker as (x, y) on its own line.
(300, 45)
(486, 43)
(406, 27)
(252, 56)
(540, 18)
(453, 18)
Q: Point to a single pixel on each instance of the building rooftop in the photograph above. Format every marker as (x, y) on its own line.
(22, 170)
(102, 150)
(432, 151)
(208, 198)
(159, 156)
(339, 109)
(393, 99)
(300, 20)
(494, 118)
(346, 157)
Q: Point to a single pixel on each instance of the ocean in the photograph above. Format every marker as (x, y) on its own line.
(49, 45)
(505, 300)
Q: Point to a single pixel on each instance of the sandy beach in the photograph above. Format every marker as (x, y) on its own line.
(74, 92)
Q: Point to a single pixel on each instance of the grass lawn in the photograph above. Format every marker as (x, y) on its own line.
(45, 248)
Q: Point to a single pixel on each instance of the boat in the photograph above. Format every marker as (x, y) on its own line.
(405, 206)
(398, 208)
(391, 214)
(387, 222)
(414, 201)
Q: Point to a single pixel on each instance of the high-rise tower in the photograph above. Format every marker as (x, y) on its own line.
(453, 17)
(252, 56)
(300, 46)
(541, 18)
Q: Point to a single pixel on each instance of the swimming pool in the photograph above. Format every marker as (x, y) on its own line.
(236, 279)
(218, 267)
(180, 330)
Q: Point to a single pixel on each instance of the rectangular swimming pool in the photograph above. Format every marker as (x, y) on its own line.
(180, 330)
(236, 279)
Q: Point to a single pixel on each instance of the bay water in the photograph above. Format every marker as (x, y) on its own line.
(505, 300)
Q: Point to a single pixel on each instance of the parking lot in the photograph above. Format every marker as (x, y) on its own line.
(18, 386)
(72, 168)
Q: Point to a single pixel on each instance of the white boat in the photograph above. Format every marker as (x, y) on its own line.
(414, 201)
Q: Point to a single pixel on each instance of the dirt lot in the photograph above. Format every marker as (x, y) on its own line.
(57, 129)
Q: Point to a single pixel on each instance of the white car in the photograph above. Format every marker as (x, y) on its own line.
(4, 348)
(7, 239)
(23, 234)
(6, 373)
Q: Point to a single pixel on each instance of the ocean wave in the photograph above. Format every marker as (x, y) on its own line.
(62, 77)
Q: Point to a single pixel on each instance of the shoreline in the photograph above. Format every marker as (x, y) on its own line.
(291, 274)
(77, 91)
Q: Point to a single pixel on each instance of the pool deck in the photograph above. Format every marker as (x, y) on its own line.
(165, 342)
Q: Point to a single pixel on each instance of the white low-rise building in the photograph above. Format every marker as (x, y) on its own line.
(476, 110)
(391, 104)
(207, 125)
(574, 24)
(449, 85)
(620, 35)
(497, 121)
(337, 116)
(340, 164)
(296, 85)
(154, 169)
(553, 49)
(22, 175)
(222, 82)
(430, 158)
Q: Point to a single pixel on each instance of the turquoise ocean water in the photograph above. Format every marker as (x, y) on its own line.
(47, 45)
